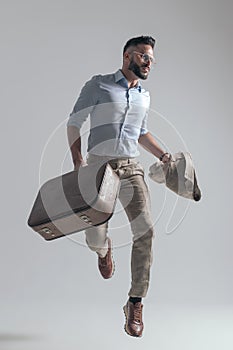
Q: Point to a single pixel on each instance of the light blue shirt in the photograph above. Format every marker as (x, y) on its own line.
(118, 115)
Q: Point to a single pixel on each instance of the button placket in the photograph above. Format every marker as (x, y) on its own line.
(127, 110)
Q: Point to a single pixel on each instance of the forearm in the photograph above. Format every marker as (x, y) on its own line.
(148, 142)
(74, 140)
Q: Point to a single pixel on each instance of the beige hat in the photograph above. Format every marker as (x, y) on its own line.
(178, 175)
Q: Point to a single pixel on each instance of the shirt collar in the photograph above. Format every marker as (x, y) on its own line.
(119, 76)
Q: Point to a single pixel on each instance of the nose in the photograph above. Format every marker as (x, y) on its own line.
(148, 63)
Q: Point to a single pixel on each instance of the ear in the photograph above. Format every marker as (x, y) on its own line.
(126, 56)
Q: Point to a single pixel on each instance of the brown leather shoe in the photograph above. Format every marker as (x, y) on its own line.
(106, 264)
(133, 319)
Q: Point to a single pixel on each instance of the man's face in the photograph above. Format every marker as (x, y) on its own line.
(138, 64)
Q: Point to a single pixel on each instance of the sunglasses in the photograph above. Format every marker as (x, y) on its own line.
(145, 57)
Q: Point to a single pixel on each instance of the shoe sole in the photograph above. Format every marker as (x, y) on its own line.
(125, 326)
(113, 263)
(113, 267)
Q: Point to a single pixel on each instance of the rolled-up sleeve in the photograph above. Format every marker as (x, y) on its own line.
(87, 100)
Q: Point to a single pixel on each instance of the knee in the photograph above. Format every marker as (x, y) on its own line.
(145, 236)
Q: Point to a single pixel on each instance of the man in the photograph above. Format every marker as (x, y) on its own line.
(118, 107)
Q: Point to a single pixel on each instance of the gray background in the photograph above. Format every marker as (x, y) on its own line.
(52, 295)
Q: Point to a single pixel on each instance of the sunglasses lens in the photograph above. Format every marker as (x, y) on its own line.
(147, 58)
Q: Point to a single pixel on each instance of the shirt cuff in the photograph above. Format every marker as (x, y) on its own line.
(143, 131)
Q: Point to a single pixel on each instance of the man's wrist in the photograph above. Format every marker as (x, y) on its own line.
(162, 155)
(165, 157)
(77, 161)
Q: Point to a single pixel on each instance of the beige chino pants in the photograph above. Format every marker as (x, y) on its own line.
(134, 197)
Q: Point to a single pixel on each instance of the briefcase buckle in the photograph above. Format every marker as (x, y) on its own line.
(47, 231)
(86, 219)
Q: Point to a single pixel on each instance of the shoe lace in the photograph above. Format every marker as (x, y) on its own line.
(137, 312)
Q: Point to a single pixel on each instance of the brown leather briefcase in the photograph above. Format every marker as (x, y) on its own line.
(75, 201)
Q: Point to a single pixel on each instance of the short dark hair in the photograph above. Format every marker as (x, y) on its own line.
(147, 40)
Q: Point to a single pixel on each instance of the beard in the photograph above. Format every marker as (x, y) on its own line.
(136, 69)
